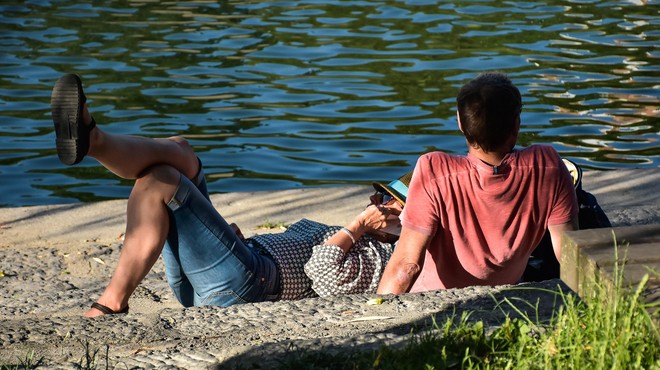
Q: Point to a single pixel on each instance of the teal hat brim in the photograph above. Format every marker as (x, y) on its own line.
(396, 188)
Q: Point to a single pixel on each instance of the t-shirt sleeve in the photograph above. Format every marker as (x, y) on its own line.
(421, 212)
(334, 272)
(565, 206)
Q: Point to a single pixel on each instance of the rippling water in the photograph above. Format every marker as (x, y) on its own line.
(286, 94)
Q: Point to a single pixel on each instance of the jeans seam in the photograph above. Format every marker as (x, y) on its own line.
(174, 202)
(222, 293)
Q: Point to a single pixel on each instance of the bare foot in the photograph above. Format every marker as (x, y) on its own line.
(99, 309)
(87, 117)
(93, 312)
(93, 133)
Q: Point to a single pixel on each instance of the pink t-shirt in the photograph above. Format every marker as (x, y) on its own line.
(485, 223)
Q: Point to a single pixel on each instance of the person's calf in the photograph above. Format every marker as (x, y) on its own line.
(147, 225)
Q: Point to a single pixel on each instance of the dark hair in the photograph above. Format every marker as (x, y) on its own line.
(489, 108)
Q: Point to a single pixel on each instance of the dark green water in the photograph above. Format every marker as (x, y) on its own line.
(287, 94)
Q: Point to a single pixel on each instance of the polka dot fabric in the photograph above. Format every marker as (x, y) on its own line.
(334, 272)
(308, 267)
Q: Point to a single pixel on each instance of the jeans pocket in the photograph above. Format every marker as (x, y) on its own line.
(222, 299)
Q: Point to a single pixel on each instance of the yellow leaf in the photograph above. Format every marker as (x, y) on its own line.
(375, 301)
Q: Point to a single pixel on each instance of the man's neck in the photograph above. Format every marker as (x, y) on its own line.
(491, 158)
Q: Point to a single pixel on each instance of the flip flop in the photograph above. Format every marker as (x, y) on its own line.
(107, 310)
(72, 135)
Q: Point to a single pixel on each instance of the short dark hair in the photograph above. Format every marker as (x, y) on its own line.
(489, 108)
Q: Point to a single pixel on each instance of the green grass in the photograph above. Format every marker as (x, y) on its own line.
(91, 359)
(613, 331)
(268, 225)
(28, 362)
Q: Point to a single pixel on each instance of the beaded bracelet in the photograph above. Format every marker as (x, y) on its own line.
(349, 233)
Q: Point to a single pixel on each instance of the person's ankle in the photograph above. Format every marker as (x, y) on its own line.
(87, 116)
(95, 138)
(114, 304)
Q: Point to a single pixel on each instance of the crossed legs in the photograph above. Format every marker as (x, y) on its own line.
(162, 206)
(155, 164)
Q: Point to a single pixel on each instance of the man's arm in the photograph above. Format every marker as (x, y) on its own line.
(405, 264)
(556, 232)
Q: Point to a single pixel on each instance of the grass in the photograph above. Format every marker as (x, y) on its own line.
(28, 362)
(268, 225)
(88, 361)
(614, 330)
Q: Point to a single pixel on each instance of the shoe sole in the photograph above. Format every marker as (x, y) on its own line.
(67, 102)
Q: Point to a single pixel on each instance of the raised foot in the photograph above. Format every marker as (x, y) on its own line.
(71, 132)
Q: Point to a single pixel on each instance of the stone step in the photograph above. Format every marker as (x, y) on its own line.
(594, 256)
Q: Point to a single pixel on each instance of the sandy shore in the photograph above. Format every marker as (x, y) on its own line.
(55, 260)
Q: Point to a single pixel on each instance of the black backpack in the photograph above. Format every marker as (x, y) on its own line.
(543, 264)
(590, 216)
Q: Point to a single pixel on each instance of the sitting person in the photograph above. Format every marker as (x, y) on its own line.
(475, 219)
(207, 261)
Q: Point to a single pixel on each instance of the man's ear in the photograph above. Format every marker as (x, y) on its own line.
(513, 139)
(460, 126)
(516, 131)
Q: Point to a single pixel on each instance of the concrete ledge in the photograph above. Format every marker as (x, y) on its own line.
(596, 256)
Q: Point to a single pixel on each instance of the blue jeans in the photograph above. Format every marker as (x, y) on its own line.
(205, 262)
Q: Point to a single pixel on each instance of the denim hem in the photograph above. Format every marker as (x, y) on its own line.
(206, 262)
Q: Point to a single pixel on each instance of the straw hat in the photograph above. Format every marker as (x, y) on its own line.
(397, 188)
(575, 171)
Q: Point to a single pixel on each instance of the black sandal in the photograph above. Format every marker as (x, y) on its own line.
(107, 310)
(72, 135)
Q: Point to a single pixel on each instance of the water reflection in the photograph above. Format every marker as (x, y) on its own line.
(305, 93)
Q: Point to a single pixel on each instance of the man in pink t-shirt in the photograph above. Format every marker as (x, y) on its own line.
(475, 219)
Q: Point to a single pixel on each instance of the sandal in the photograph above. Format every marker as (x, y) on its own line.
(107, 310)
(72, 135)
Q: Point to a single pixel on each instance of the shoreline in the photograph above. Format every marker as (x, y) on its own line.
(627, 196)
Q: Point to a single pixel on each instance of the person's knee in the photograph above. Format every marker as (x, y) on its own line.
(158, 180)
(190, 165)
(182, 143)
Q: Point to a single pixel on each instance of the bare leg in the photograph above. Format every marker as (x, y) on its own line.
(128, 156)
(147, 226)
(156, 164)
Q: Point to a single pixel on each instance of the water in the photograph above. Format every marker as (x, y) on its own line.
(287, 94)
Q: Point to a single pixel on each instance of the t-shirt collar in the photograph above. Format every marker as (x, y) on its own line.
(495, 170)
